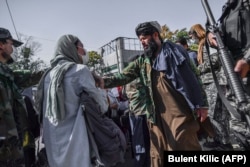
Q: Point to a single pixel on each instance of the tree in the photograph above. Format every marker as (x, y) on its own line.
(174, 35)
(25, 56)
(95, 61)
(166, 33)
(182, 33)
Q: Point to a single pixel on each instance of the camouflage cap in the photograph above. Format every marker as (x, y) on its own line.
(5, 34)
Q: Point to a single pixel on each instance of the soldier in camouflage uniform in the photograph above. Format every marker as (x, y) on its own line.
(16, 140)
(174, 95)
(237, 39)
(218, 117)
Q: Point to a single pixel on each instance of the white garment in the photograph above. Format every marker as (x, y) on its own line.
(104, 95)
(123, 105)
(115, 91)
(67, 144)
(113, 100)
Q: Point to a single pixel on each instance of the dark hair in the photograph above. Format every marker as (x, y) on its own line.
(182, 41)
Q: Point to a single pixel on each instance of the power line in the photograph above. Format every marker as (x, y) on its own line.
(15, 26)
(45, 39)
(12, 19)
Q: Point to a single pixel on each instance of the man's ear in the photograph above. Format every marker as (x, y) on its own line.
(155, 34)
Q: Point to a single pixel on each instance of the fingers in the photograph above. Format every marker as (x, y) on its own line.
(203, 118)
(242, 68)
(212, 39)
(202, 113)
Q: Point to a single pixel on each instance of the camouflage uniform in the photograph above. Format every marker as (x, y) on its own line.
(237, 39)
(141, 69)
(14, 132)
(239, 130)
(224, 124)
(136, 94)
(218, 117)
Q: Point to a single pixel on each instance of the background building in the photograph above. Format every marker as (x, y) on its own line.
(117, 53)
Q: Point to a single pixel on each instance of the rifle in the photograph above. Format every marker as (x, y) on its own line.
(227, 62)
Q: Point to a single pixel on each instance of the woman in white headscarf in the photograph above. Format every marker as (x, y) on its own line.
(64, 131)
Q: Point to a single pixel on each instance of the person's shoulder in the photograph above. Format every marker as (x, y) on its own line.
(167, 44)
(140, 59)
(80, 67)
(77, 69)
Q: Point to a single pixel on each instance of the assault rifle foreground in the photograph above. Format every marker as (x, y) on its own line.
(227, 62)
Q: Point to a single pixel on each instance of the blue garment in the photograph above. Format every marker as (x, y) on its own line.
(193, 57)
(174, 62)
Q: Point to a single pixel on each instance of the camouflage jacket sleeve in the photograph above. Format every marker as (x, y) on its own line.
(128, 74)
(24, 78)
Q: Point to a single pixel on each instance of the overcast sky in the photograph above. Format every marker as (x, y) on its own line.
(97, 22)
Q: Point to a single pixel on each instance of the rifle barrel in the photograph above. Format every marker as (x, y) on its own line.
(225, 58)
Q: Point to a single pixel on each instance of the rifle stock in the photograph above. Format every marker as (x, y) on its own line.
(228, 65)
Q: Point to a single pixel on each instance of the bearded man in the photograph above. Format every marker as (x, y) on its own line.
(173, 98)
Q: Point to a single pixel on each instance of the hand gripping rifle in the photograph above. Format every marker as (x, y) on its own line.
(234, 80)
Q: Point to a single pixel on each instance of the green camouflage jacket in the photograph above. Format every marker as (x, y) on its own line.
(13, 114)
(140, 68)
(137, 96)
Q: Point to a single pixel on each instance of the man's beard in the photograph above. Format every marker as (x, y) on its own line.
(7, 57)
(152, 48)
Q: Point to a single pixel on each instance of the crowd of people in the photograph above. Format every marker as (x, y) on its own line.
(169, 96)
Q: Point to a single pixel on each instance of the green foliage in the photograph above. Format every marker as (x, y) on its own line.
(95, 61)
(25, 56)
(193, 47)
(167, 34)
(182, 34)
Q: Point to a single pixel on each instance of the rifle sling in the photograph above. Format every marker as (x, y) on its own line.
(227, 104)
